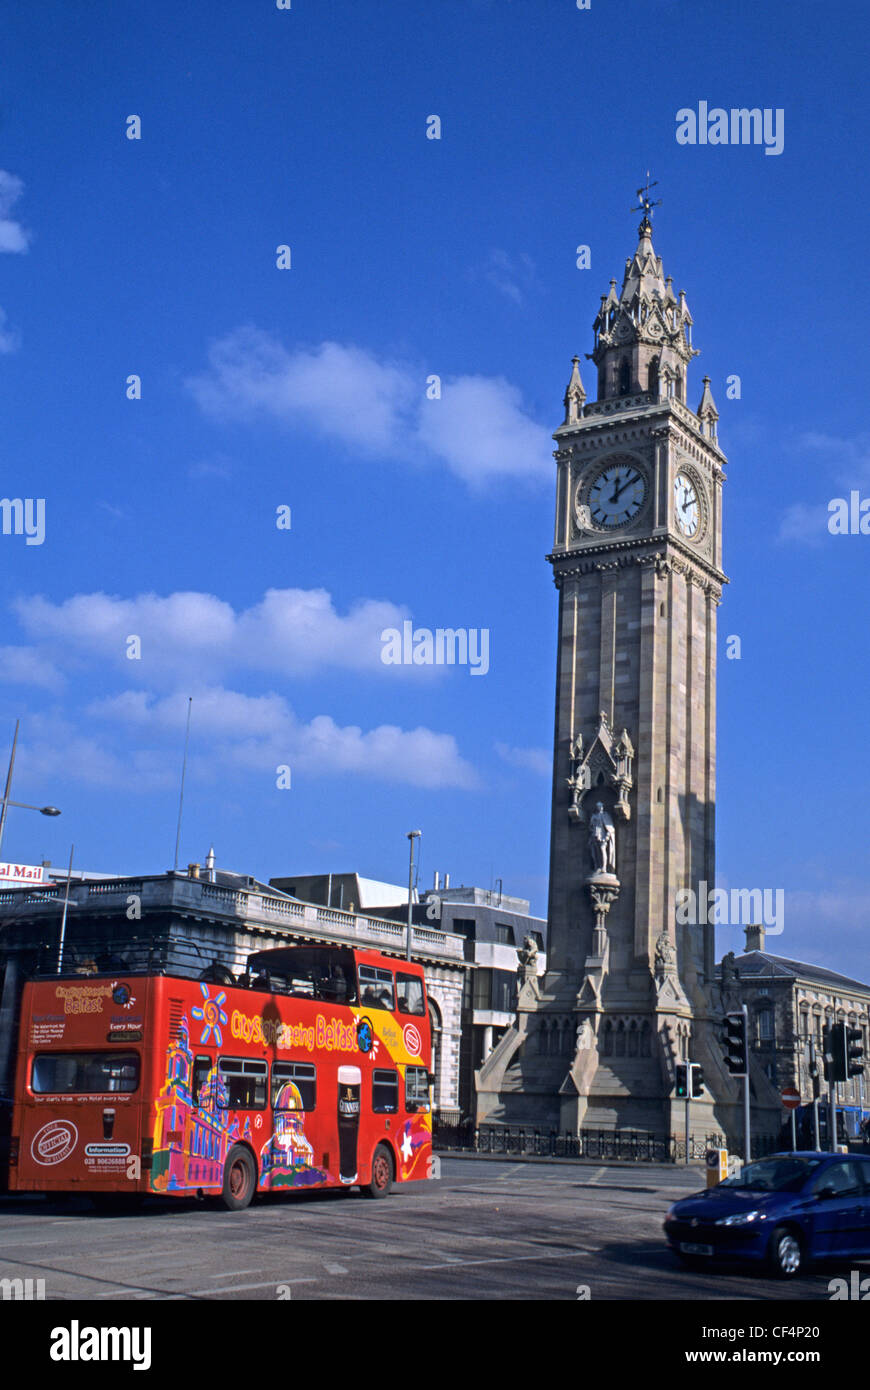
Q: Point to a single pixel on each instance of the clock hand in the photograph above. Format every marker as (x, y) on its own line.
(620, 490)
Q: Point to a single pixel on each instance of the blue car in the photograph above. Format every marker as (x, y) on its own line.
(784, 1211)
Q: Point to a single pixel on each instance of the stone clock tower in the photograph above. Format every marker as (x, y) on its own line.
(637, 563)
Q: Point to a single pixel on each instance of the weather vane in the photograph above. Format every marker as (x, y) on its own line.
(646, 206)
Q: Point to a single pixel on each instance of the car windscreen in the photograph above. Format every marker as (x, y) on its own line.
(774, 1174)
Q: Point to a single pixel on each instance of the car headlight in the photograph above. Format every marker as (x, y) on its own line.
(741, 1218)
(670, 1213)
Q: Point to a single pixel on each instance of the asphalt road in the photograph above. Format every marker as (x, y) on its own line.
(484, 1230)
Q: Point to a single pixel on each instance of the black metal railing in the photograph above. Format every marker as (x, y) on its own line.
(451, 1132)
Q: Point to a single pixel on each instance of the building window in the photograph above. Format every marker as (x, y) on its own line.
(504, 991)
(766, 1032)
(482, 988)
(504, 934)
(463, 926)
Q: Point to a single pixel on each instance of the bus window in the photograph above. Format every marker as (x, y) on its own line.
(385, 1091)
(245, 1083)
(302, 1074)
(201, 1068)
(376, 987)
(409, 991)
(84, 1073)
(416, 1089)
(306, 972)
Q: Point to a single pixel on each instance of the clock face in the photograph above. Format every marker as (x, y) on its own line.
(687, 508)
(617, 494)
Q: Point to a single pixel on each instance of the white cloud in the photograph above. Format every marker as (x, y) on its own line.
(805, 522)
(26, 666)
(480, 430)
(513, 276)
(197, 635)
(53, 750)
(477, 429)
(260, 732)
(537, 760)
(340, 391)
(13, 237)
(10, 339)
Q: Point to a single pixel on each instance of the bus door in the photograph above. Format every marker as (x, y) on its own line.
(78, 1120)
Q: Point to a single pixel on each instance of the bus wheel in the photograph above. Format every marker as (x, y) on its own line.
(239, 1179)
(382, 1173)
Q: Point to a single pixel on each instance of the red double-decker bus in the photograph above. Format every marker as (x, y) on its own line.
(312, 1070)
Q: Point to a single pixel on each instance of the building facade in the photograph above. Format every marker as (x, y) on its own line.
(789, 1003)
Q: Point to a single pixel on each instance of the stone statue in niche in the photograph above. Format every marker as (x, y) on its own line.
(665, 956)
(602, 841)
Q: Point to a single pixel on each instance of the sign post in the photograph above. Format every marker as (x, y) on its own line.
(791, 1099)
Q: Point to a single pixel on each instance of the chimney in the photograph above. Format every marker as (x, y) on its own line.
(437, 883)
(446, 882)
(755, 937)
(209, 865)
(193, 870)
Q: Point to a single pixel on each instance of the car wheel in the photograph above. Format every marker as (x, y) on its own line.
(785, 1252)
(240, 1179)
(382, 1173)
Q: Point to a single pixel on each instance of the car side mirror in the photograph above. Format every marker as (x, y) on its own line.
(824, 1194)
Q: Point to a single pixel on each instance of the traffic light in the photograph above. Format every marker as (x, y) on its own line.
(682, 1080)
(854, 1040)
(697, 1079)
(814, 1069)
(828, 1053)
(838, 1052)
(735, 1044)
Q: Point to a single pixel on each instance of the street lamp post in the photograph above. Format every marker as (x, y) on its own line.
(6, 803)
(412, 836)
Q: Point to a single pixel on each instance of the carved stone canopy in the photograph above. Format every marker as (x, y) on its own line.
(608, 761)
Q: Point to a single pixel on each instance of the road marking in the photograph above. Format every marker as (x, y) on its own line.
(268, 1284)
(13, 1244)
(516, 1168)
(596, 1177)
(233, 1274)
(334, 1268)
(515, 1259)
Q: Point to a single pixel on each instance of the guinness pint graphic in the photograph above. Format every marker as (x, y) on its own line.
(349, 1083)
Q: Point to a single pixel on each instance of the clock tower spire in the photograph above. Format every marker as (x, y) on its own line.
(637, 564)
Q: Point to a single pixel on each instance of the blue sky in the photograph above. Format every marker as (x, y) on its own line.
(306, 388)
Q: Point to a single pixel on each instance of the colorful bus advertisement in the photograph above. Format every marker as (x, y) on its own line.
(311, 1071)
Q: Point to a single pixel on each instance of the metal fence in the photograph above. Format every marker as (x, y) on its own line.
(451, 1132)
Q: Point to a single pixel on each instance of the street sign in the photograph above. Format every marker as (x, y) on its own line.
(791, 1098)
